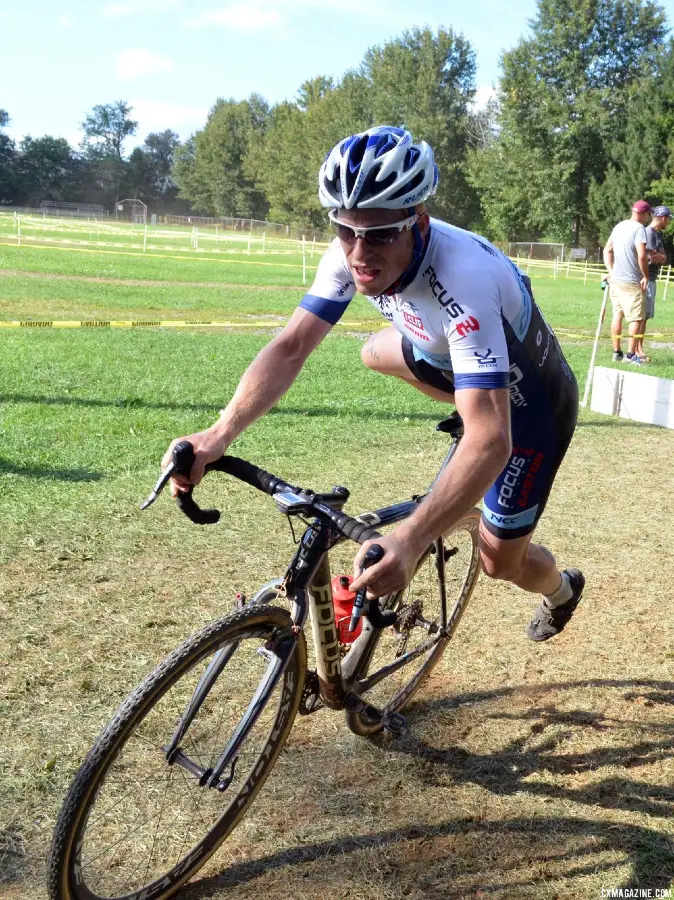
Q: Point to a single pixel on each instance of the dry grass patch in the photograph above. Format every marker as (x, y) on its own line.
(529, 771)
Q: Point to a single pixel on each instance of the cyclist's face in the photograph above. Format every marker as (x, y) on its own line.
(375, 267)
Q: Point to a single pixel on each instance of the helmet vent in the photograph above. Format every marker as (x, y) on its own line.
(409, 185)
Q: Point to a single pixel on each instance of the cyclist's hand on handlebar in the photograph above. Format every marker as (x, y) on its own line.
(392, 573)
(208, 447)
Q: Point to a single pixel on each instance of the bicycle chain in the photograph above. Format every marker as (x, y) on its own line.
(405, 622)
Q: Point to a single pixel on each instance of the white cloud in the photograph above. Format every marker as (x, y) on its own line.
(133, 7)
(238, 17)
(133, 64)
(65, 22)
(155, 115)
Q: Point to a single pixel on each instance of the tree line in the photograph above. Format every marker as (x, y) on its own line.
(48, 168)
(580, 126)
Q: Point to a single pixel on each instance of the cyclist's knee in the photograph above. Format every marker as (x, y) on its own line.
(501, 560)
(500, 568)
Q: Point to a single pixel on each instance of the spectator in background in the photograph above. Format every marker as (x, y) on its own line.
(626, 260)
(662, 216)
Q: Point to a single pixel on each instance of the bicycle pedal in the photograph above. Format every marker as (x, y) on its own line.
(395, 724)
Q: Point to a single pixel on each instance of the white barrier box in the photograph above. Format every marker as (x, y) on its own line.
(631, 395)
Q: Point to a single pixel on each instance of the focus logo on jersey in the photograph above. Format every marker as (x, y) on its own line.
(464, 328)
(449, 304)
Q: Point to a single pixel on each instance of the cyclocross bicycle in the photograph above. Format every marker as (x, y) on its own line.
(174, 772)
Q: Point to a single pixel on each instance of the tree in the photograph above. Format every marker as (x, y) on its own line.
(147, 174)
(210, 168)
(422, 80)
(564, 97)
(45, 169)
(642, 165)
(426, 81)
(313, 90)
(105, 130)
(8, 163)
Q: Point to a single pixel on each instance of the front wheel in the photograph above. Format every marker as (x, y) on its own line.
(391, 664)
(136, 825)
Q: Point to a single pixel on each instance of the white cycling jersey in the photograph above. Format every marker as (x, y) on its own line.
(467, 309)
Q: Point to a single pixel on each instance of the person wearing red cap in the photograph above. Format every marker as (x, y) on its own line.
(626, 260)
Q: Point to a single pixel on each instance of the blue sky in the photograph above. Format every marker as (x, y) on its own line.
(171, 59)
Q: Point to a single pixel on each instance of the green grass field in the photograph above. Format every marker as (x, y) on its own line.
(529, 771)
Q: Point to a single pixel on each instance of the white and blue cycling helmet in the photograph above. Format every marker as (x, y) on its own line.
(381, 168)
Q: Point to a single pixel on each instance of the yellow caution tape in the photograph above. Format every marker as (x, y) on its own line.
(148, 323)
(157, 323)
(256, 323)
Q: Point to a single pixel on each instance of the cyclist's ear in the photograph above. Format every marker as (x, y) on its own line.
(424, 220)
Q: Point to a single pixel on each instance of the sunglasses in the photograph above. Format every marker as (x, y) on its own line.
(374, 235)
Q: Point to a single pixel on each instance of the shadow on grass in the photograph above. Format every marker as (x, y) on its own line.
(9, 468)
(500, 855)
(508, 771)
(138, 403)
(568, 844)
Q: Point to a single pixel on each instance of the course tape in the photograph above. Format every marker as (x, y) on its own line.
(156, 323)
(149, 323)
(257, 323)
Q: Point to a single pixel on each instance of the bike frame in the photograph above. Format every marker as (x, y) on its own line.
(308, 583)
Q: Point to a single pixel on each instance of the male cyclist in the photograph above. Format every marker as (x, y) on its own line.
(464, 329)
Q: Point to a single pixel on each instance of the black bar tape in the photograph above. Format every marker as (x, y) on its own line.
(251, 474)
(351, 528)
(195, 513)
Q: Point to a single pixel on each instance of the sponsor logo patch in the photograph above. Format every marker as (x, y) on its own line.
(470, 324)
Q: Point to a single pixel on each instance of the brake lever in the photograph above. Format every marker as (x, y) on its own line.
(374, 553)
(181, 462)
(160, 485)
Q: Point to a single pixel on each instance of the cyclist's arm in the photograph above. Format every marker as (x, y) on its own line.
(262, 385)
(480, 457)
(271, 373)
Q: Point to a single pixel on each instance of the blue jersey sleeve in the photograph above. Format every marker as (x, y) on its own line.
(329, 310)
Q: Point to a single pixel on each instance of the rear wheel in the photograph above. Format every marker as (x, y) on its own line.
(134, 825)
(416, 634)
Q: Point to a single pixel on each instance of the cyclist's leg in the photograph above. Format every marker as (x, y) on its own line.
(512, 508)
(530, 566)
(389, 353)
